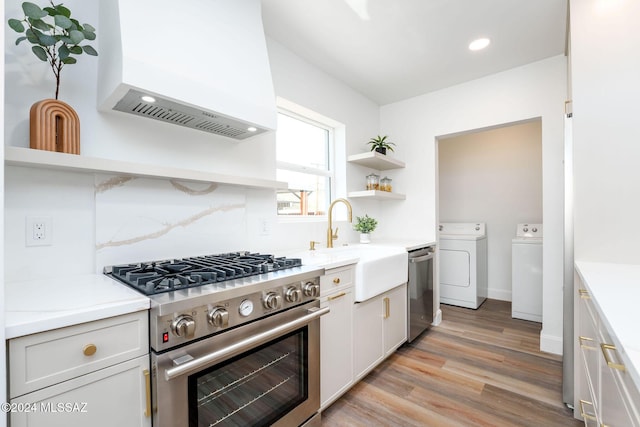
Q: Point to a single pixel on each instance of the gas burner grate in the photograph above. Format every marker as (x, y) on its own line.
(156, 277)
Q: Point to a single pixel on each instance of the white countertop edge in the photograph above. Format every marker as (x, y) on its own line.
(19, 324)
(610, 286)
(40, 305)
(409, 244)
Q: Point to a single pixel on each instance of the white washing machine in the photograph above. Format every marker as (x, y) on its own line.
(526, 273)
(463, 264)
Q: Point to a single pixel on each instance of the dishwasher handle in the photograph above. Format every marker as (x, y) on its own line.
(421, 258)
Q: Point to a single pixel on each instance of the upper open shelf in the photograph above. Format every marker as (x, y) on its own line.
(376, 161)
(27, 157)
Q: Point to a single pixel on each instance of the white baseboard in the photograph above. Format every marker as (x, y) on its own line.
(550, 343)
(437, 318)
(499, 294)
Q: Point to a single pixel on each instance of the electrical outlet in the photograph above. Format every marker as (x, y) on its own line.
(263, 227)
(39, 231)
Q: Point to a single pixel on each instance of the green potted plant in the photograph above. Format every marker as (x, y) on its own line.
(365, 225)
(56, 38)
(380, 144)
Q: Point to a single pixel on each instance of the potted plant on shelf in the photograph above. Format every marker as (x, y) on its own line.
(55, 38)
(365, 225)
(380, 144)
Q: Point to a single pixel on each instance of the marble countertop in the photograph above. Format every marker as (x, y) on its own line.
(351, 253)
(40, 305)
(409, 244)
(615, 291)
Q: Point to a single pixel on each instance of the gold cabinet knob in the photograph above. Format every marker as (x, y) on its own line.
(336, 280)
(89, 349)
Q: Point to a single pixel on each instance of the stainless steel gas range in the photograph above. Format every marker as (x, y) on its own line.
(234, 339)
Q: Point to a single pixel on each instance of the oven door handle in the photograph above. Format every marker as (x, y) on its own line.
(246, 344)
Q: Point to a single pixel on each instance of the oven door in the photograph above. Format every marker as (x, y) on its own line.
(263, 373)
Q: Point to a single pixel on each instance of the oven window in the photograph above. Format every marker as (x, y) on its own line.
(255, 388)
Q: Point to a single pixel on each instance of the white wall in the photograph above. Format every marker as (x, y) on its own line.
(605, 66)
(536, 90)
(71, 200)
(493, 176)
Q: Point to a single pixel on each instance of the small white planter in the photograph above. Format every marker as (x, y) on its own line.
(365, 238)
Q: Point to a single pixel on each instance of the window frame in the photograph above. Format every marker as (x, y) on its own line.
(330, 172)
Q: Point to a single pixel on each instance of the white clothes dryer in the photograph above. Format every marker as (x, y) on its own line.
(463, 264)
(526, 273)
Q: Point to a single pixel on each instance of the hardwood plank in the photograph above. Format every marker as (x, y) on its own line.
(477, 368)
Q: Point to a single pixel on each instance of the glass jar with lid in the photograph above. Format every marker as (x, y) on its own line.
(385, 184)
(373, 182)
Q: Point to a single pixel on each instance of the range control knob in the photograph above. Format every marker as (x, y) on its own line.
(184, 326)
(218, 317)
(293, 294)
(535, 230)
(271, 301)
(311, 289)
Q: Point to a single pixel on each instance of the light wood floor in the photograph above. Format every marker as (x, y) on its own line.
(477, 368)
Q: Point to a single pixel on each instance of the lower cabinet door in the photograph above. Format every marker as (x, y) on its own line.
(113, 396)
(617, 405)
(395, 318)
(336, 347)
(367, 336)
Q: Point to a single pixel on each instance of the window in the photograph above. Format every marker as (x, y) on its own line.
(304, 150)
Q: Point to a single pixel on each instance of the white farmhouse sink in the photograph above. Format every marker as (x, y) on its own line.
(378, 269)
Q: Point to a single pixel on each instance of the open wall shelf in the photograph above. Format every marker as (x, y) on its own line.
(376, 161)
(27, 157)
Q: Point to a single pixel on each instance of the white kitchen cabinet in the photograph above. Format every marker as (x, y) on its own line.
(605, 393)
(336, 339)
(379, 328)
(94, 373)
(395, 319)
(113, 396)
(336, 347)
(368, 341)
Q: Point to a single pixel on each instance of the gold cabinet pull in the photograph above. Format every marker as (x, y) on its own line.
(386, 308)
(605, 347)
(336, 280)
(340, 295)
(582, 339)
(147, 384)
(583, 412)
(584, 294)
(89, 349)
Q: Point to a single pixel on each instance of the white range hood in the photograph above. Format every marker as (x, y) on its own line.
(204, 62)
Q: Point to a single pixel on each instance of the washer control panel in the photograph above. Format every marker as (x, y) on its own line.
(529, 231)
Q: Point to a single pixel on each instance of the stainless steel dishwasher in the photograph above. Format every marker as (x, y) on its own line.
(420, 292)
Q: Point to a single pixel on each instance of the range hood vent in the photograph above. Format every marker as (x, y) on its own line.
(217, 81)
(182, 115)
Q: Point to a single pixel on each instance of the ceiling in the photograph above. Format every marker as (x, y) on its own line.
(390, 50)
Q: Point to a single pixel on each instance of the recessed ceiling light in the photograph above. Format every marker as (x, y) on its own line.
(479, 44)
(147, 98)
(252, 129)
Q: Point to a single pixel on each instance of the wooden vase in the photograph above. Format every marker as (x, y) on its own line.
(54, 126)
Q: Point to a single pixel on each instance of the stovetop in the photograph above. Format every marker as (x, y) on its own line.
(157, 277)
(189, 295)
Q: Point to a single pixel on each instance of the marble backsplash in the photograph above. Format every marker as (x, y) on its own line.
(140, 219)
(107, 219)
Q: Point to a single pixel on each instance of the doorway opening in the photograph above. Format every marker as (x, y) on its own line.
(492, 176)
